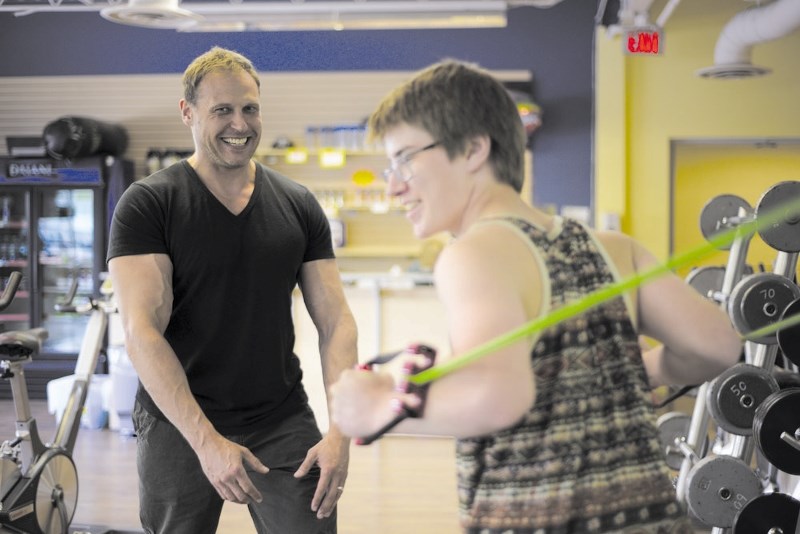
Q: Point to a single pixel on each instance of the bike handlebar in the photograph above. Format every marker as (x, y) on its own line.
(66, 305)
(10, 290)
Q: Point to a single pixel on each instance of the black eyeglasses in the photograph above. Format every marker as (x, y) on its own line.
(401, 169)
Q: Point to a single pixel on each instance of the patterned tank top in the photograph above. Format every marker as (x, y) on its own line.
(586, 457)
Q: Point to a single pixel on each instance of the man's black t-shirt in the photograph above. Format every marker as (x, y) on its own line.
(233, 276)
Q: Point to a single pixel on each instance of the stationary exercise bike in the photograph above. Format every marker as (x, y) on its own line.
(39, 482)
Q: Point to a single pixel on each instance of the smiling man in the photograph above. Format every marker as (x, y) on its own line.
(204, 256)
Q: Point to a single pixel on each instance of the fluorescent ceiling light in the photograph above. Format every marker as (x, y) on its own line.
(309, 15)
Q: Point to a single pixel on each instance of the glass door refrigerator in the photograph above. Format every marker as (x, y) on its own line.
(53, 229)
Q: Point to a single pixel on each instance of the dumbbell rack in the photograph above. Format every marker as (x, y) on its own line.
(722, 490)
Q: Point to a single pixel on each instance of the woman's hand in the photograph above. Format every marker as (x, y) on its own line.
(364, 401)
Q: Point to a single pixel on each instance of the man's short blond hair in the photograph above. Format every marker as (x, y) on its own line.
(215, 59)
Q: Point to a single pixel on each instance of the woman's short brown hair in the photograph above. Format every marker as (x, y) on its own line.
(455, 101)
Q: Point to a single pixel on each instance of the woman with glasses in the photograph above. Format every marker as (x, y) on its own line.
(556, 433)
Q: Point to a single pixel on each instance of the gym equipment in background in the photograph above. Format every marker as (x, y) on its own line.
(78, 137)
(38, 481)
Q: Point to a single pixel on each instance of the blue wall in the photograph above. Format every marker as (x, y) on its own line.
(555, 44)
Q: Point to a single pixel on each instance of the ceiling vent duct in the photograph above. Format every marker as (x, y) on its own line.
(751, 27)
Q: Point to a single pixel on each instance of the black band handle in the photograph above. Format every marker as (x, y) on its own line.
(421, 390)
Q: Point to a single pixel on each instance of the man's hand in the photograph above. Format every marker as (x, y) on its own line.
(332, 454)
(223, 464)
(362, 402)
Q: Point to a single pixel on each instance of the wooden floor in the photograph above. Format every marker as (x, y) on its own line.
(396, 485)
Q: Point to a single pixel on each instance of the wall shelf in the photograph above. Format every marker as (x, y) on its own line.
(370, 219)
(381, 251)
(281, 152)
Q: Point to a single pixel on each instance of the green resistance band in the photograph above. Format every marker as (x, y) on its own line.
(786, 322)
(777, 215)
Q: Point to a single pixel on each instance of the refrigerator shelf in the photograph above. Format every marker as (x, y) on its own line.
(14, 263)
(14, 317)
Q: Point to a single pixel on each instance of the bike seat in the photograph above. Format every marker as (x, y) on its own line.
(19, 344)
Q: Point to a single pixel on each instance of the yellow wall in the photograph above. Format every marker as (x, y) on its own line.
(610, 146)
(665, 100)
(745, 170)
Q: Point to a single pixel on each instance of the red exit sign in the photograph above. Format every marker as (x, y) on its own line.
(643, 41)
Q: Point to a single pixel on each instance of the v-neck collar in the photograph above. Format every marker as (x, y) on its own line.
(257, 184)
